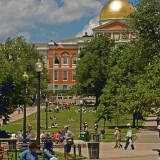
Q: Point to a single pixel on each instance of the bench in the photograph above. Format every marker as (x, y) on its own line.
(7, 155)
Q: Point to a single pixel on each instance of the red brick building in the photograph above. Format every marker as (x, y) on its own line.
(61, 63)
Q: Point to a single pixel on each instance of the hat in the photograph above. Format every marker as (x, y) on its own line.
(116, 127)
(128, 124)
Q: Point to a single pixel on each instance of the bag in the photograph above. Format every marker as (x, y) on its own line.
(70, 141)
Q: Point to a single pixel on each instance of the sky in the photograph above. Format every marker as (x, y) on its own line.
(44, 20)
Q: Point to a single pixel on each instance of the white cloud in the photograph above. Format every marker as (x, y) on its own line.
(88, 28)
(26, 14)
(26, 35)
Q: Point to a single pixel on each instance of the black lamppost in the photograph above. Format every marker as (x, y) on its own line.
(46, 114)
(38, 68)
(26, 77)
(81, 103)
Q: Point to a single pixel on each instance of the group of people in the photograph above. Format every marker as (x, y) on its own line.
(117, 135)
(58, 107)
(20, 134)
(48, 153)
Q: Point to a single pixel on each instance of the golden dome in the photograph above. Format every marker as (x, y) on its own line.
(116, 9)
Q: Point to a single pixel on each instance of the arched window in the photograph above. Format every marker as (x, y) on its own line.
(56, 60)
(74, 58)
(65, 58)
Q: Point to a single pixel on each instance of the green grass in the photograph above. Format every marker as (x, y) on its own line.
(74, 126)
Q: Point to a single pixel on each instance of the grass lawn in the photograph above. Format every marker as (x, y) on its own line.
(74, 126)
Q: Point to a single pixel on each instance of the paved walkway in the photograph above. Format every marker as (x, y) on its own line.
(29, 110)
(147, 139)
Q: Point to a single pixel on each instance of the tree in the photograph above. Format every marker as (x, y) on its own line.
(133, 81)
(17, 56)
(92, 68)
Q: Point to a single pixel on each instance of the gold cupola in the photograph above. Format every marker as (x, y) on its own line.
(116, 9)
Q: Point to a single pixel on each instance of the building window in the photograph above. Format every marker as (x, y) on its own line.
(55, 75)
(73, 73)
(55, 87)
(116, 36)
(64, 75)
(64, 87)
(65, 58)
(74, 59)
(125, 36)
(55, 59)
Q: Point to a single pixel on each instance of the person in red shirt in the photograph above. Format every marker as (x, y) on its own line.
(57, 137)
(69, 106)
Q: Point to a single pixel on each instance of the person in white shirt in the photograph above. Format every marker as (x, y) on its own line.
(13, 136)
(129, 138)
(42, 135)
(20, 136)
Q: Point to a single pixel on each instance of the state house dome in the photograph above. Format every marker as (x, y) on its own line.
(116, 9)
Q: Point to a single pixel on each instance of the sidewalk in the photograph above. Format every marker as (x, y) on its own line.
(29, 110)
(147, 140)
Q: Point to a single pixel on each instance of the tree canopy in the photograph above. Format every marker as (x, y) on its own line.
(16, 57)
(92, 68)
(133, 81)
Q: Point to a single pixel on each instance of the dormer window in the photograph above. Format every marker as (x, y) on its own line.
(134, 35)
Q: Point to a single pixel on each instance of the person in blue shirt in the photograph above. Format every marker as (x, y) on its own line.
(67, 147)
(28, 137)
(30, 154)
(48, 153)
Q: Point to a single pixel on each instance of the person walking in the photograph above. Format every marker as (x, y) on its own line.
(129, 138)
(102, 134)
(96, 127)
(117, 137)
(67, 147)
(120, 145)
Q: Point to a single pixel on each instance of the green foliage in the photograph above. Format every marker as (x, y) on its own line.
(17, 56)
(133, 82)
(92, 68)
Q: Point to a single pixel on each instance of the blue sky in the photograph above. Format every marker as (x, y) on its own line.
(45, 20)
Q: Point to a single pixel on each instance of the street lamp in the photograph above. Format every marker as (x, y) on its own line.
(26, 77)
(38, 68)
(46, 114)
(81, 103)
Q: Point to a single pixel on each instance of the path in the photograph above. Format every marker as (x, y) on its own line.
(147, 140)
(29, 110)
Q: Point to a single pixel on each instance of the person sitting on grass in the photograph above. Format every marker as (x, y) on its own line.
(48, 153)
(52, 126)
(30, 154)
(54, 117)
